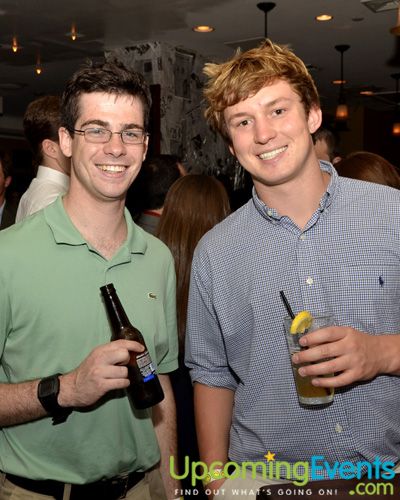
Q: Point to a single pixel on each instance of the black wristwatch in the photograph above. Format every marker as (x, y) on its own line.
(47, 393)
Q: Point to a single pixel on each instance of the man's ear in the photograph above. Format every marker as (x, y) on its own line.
(314, 119)
(145, 149)
(65, 141)
(49, 148)
(231, 150)
(7, 181)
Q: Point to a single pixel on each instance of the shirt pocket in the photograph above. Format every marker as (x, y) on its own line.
(369, 298)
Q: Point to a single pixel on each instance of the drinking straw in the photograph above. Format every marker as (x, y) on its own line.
(287, 305)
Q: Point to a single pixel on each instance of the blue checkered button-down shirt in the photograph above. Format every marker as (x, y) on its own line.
(346, 261)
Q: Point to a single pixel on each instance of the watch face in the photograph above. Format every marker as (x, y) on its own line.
(48, 390)
(47, 393)
(49, 386)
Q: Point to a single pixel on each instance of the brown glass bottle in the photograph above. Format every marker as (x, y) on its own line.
(145, 389)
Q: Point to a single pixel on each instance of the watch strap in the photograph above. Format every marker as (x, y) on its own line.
(47, 393)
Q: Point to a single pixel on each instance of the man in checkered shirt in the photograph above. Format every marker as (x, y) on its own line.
(333, 245)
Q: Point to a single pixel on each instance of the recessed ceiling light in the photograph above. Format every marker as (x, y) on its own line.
(14, 44)
(324, 17)
(73, 34)
(203, 29)
(339, 82)
(366, 92)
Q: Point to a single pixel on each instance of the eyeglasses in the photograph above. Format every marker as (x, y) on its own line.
(101, 135)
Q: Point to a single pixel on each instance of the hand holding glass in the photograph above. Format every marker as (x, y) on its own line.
(307, 393)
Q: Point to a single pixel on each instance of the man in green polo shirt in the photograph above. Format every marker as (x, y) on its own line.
(90, 442)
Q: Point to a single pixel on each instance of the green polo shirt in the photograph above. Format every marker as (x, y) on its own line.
(51, 318)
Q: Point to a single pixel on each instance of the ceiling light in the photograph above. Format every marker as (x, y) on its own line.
(266, 7)
(324, 17)
(38, 67)
(203, 29)
(339, 82)
(73, 32)
(14, 45)
(342, 111)
(366, 92)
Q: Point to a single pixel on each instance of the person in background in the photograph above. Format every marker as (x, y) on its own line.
(67, 428)
(370, 167)
(194, 204)
(8, 205)
(325, 144)
(332, 245)
(41, 122)
(147, 195)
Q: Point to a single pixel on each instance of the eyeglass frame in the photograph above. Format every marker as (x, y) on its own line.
(83, 132)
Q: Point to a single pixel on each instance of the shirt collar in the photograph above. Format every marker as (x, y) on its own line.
(48, 173)
(64, 231)
(327, 198)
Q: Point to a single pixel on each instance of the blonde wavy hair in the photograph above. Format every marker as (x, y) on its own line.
(247, 72)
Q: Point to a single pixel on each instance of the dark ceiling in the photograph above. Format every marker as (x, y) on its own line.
(42, 26)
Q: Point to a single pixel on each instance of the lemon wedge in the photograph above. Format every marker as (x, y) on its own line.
(301, 322)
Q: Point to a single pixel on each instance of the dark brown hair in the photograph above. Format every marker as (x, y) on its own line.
(194, 204)
(327, 136)
(371, 167)
(42, 119)
(110, 77)
(6, 163)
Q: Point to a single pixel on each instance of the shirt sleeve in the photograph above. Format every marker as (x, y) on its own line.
(169, 361)
(205, 353)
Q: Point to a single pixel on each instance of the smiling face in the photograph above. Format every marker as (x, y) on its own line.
(270, 135)
(104, 172)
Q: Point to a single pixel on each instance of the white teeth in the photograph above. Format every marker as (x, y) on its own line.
(111, 168)
(271, 154)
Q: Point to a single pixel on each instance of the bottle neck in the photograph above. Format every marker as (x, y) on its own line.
(116, 313)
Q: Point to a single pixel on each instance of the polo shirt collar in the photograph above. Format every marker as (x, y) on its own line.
(64, 231)
(272, 215)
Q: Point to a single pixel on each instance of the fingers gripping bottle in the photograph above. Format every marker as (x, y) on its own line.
(145, 389)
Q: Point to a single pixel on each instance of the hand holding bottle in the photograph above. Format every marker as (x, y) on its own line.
(145, 389)
(103, 370)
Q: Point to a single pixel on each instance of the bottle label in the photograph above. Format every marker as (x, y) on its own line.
(145, 366)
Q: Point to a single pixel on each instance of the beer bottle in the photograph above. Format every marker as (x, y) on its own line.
(145, 389)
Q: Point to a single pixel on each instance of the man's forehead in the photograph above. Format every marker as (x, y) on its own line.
(108, 97)
(96, 105)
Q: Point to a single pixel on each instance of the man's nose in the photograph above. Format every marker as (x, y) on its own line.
(264, 131)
